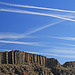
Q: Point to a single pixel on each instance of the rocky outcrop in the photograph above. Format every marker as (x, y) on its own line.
(23, 63)
(24, 70)
(63, 71)
(21, 57)
(69, 64)
(51, 62)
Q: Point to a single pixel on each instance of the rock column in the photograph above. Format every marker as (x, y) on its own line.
(6, 55)
(12, 57)
(1, 55)
(38, 59)
(27, 57)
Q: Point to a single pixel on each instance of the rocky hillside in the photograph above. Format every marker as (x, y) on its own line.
(23, 63)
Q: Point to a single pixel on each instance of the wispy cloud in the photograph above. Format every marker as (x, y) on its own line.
(27, 6)
(37, 13)
(23, 43)
(56, 55)
(38, 29)
(64, 38)
(15, 36)
(63, 51)
(9, 35)
(5, 50)
(67, 44)
(60, 52)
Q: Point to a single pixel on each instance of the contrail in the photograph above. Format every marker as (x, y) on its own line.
(18, 36)
(23, 43)
(43, 27)
(5, 49)
(36, 13)
(63, 51)
(56, 21)
(10, 35)
(66, 44)
(56, 55)
(26, 35)
(63, 38)
(27, 6)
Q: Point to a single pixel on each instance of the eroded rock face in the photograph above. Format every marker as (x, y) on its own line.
(23, 63)
(63, 71)
(69, 64)
(24, 70)
(21, 57)
(51, 62)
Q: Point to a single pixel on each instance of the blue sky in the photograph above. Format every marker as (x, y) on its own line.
(45, 27)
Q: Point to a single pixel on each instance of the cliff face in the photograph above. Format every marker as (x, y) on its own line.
(21, 57)
(23, 63)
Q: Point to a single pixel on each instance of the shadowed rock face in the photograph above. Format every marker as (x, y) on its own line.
(69, 64)
(23, 63)
(51, 62)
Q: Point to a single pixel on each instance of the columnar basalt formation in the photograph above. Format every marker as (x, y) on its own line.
(21, 57)
(34, 58)
(1, 57)
(24, 63)
(6, 57)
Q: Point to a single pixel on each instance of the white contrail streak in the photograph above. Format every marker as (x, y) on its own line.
(8, 35)
(27, 6)
(56, 21)
(63, 51)
(24, 43)
(64, 38)
(67, 44)
(5, 49)
(35, 13)
(56, 55)
(43, 27)
(26, 35)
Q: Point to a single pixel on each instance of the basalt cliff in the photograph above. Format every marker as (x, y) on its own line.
(23, 63)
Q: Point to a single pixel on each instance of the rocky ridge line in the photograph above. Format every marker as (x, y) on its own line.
(23, 63)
